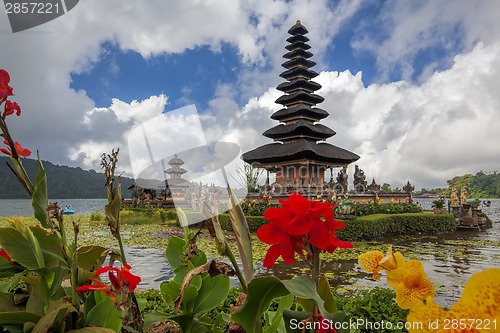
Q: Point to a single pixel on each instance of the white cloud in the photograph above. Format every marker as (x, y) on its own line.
(430, 131)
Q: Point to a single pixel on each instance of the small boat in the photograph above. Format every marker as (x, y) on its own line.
(68, 210)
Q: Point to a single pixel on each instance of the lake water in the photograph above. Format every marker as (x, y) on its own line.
(448, 261)
(22, 207)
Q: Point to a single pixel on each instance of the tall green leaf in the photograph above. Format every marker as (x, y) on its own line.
(243, 239)
(212, 292)
(303, 287)
(277, 319)
(91, 257)
(174, 252)
(261, 291)
(105, 314)
(55, 318)
(39, 294)
(51, 247)
(24, 250)
(18, 317)
(40, 199)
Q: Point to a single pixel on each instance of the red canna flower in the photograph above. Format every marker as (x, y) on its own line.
(11, 107)
(298, 224)
(122, 282)
(21, 151)
(4, 254)
(5, 89)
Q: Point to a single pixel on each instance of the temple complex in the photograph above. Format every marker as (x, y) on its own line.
(300, 155)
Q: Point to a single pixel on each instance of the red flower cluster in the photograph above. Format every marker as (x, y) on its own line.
(21, 151)
(11, 107)
(298, 225)
(122, 282)
(5, 89)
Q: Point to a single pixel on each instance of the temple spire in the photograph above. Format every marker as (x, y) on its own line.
(299, 138)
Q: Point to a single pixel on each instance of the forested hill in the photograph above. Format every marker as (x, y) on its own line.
(480, 185)
(63, 182)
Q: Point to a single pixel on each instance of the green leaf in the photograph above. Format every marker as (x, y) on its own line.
(112, 212)
(40, 199)
(325, 292)
(51, 246)
(185, 321)
(7, 303)
(277, 319)
(92, 330)
(153, 317)
(105, 314)
(341, 317)
(212, 292)
(188, 301)
(175, 252)
(261, 291)
(243, 238)
(91, 257)
(24, 250)
(39, 294)
(303, 287)
(169, 291)
(293, 320)
(18, 317)
(59, 275)
(47, 322)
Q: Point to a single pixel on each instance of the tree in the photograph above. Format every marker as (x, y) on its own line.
(249, 176)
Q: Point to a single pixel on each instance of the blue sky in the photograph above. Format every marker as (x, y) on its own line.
(410, 86)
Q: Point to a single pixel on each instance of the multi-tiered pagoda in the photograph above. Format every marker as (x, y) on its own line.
(299, 156)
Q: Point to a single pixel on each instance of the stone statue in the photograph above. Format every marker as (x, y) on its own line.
(455, 201)
(463, 194)
(341, 184)
(359, 180)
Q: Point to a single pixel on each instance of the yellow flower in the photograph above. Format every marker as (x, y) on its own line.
(479, 304)
(369, 262)
(411, 284)
(408, 278)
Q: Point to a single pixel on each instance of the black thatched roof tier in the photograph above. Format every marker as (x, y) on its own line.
(298, 53)
(300, 96)
(297, 72)
(298, 45)
(295, 62)
(297, 38)
(301, 128)
(299, 83)
(278, 153)
(299, 111)
(297, 29)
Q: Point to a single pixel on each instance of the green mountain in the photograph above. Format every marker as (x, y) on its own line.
(480, 185)
(63, 182)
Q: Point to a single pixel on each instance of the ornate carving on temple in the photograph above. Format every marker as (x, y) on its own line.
(359, 180)
(408, 188)
(374, 187)
(340, 186)
(455, 201)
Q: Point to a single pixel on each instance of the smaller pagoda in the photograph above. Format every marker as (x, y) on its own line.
(176, 184)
